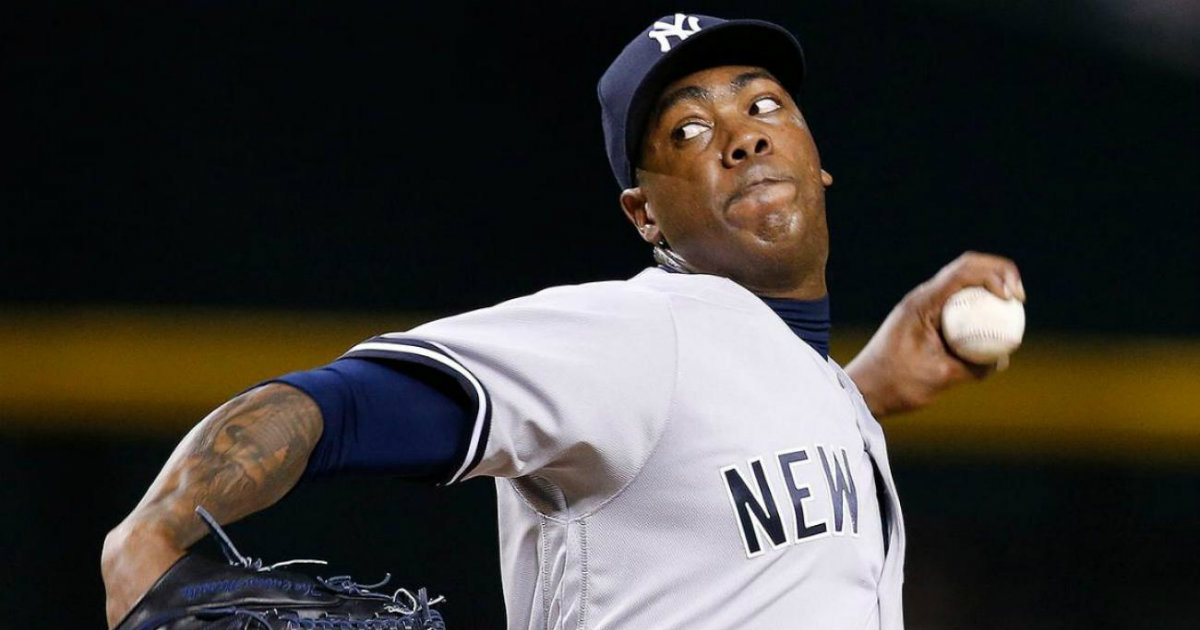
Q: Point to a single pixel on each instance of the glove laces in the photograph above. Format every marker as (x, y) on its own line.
(402, 600)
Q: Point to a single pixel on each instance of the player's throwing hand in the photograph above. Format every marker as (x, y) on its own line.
(906, 364)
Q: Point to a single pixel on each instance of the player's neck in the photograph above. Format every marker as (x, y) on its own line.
(811, 287)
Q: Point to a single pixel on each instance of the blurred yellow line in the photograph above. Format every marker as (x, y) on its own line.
(161, 370)
(106, 369)
(1119, 397)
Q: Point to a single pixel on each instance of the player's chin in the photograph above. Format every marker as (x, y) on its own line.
(786, 243)
(782, 226)
(767, 249)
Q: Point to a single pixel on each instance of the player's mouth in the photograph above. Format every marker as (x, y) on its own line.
(758, 187)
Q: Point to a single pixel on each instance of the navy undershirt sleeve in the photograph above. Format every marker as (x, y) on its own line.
(387, 417)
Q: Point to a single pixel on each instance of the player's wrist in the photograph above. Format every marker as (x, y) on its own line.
(135, 553)
(138, 532)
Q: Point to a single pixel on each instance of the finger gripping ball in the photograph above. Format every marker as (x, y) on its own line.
(980, 327)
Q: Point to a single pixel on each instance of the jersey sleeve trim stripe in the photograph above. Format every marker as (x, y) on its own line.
(438, 357)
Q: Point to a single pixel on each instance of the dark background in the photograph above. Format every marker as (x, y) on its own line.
(391, 157)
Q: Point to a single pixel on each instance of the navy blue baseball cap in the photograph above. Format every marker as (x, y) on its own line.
(673, 47)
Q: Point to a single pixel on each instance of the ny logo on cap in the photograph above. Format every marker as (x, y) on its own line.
(662, 30)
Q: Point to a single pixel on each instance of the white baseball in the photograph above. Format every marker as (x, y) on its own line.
(982, 328)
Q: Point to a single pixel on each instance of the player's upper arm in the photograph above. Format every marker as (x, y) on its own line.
(571, 384)
(386, 417)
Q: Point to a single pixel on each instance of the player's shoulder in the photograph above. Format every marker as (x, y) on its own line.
(652, 289)
(599, 295)
(590, 306)
(648, 301)
(699, 288)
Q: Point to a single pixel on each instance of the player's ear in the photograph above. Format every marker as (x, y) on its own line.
(826, 178)
(637, 209)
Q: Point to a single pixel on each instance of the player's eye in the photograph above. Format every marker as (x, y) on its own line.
(688, 131)
(765, 105)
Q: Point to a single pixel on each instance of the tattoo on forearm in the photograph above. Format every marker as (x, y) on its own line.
(242, 458)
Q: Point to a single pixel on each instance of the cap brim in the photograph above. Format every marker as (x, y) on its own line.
(735, 42)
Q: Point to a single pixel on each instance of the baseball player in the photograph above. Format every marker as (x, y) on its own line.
(675, 450)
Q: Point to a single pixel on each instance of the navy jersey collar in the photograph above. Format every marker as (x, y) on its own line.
(809, 319)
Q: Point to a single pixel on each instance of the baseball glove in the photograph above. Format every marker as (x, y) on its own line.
(244, 594)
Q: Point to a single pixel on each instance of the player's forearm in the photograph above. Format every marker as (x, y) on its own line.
(240, 459)
(872, 382)
(243, 457)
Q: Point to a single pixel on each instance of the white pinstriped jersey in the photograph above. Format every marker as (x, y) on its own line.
(669, 454)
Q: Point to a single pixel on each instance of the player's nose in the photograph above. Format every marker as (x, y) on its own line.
(745, 143)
